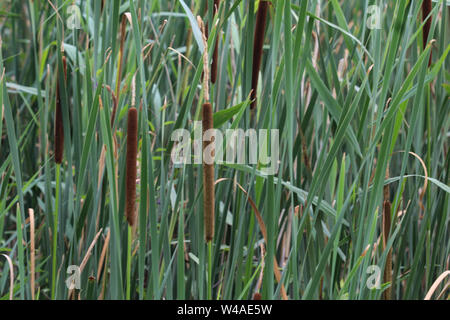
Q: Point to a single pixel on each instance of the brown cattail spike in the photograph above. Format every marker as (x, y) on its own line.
(261, 19)
(208, 176)
(208, 164)
(387, 294)
(215, 58)
(131, 169)
(206, 15)
(59, 128)
(257, 296)
(64, 61)
(426, 10)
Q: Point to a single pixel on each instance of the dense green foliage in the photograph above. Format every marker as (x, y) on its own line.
(363, 120)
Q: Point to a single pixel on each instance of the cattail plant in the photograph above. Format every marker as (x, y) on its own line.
(426, 10)
(387, 294)
(208, 168)
(131, 169)
(130, 179)
(59, 150)
(261, 20)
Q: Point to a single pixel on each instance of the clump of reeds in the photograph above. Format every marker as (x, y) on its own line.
(131, 168)
(261, 20)
(208, 168)
(59, 128)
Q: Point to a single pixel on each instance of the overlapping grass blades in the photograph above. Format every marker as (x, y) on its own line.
(350, 101)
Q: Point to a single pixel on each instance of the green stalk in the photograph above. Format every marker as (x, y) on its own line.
(55, 229)
(130, 233)
(210, 269)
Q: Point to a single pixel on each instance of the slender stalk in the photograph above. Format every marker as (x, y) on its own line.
(210, 270)
(130, 234)
(55, 229)
(32, 253)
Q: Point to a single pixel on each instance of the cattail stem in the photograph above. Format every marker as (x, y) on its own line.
(387, 294)
(55, 229)
(208, 176)
(131, 168)
(210, 281)
(130, 234)
(426, 10)
(32, 253)
(261, 19)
